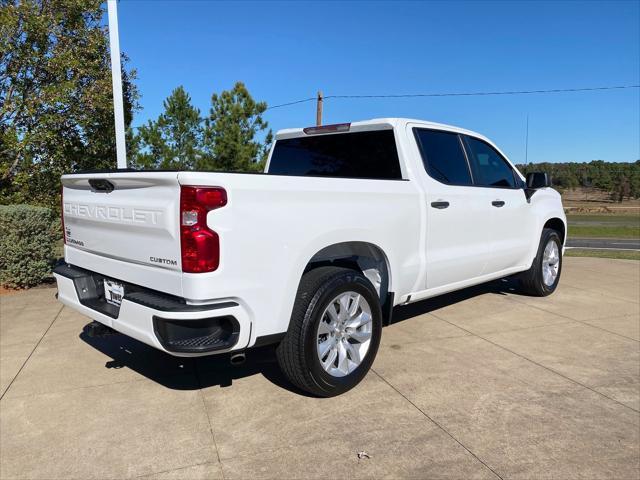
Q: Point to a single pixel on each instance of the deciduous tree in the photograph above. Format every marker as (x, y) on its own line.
(56, 103)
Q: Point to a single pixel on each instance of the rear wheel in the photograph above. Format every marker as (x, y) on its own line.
(543, 276)
(334, 332)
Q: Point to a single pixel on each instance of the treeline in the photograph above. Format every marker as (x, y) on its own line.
(620, 179)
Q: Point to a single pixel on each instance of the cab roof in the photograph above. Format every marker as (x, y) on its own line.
(380, 124)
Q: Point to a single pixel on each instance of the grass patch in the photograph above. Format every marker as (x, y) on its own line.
(583, 231)
(605, 218)
(604, 226)
(618, 254)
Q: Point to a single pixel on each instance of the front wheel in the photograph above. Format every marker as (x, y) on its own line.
(543, 276)
(334, 332)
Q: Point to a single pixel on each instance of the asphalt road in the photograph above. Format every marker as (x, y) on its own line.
(613, 243)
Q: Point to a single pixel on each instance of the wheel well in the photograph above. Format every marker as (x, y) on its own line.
(557, 225)
(364, 257)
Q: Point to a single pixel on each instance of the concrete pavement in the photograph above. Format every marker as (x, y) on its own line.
(483, 383)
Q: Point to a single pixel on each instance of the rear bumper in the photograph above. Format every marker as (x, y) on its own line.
(162, 321)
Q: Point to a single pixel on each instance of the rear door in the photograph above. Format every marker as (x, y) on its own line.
(131, 217)
(457, 237)
(500, 189)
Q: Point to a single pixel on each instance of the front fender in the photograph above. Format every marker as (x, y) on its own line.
(547, 206)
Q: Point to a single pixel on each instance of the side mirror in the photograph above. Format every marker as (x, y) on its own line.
(537, 180)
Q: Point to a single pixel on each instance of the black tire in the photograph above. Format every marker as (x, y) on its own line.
(297, 353)
(531, 281)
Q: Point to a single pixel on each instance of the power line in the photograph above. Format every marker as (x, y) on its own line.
(469, 94)
(452, 94)
(291, 103)
(462, 94)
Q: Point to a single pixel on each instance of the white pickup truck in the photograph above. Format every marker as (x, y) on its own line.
(347, 222)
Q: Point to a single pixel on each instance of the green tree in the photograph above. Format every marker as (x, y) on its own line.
(56, 105)
(621, 189)
(174, 140)
(231, 130)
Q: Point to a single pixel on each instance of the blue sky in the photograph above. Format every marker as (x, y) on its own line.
(286, 51)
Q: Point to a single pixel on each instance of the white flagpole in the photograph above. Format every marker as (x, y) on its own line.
(116, 77)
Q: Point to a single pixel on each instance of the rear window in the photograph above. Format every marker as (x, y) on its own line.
(443, 156)
(354, 155)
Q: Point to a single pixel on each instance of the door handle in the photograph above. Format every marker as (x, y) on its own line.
(497, 203)
(440, 204)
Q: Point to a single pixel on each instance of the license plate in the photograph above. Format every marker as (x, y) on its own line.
(113, 292)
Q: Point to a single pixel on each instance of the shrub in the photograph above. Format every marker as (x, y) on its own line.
(28, 243)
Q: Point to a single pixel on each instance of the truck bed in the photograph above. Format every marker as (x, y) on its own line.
(269, 230)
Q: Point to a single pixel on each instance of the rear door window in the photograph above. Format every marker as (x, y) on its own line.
(490, 169)
(370, 154)
(443, 156)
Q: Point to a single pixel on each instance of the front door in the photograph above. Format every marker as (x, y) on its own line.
(511, 225)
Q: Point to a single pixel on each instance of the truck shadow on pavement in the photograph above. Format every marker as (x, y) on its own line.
(216, 370)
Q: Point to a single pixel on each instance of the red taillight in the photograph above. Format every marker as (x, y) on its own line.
(200, 245)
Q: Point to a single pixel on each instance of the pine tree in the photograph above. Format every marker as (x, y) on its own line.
(234, 122)
(173, 141)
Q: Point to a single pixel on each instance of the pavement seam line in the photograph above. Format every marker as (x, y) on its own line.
(83, 387)
(437, 424)
(574, 320)
(552, 371)
(206, 412)
(31, 353)
(560, 322)
(142, 475)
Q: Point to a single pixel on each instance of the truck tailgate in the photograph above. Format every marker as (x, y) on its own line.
(126, 217)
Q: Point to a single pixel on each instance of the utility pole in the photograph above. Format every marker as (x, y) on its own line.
(116, 78)
(319, 108)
